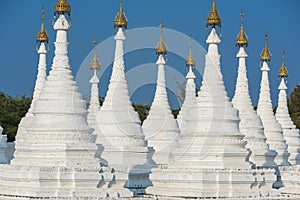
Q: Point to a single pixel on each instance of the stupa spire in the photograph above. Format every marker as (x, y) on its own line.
(160, 127)
(213, 18)
(62, 7)
(42, 35)
(265, 54)
(95, 63)
(94, 106)
(290, 132)
(242, 39)
(120, 20)
(161, 48)
(42, 39)
(190, 89)
(190, 59)
(283, 73)
(119, 127)
(272, 128)
(250, 124)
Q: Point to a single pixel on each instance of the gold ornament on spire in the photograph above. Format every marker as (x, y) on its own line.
(283, 72)
(213, 18)
(190, 60)
(120, 20)
(62, 7)
(95, 63)
(42, 35)
(265, 54)
(242, 38)
(161, 47)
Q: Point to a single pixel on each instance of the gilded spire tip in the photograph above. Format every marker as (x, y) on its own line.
(283, 72)
(161, 46)
(265, 54)
(62, 7)
(242, 39)
(95, 63)
(242, 18)
(213, 18)
(42, 35)
(190, 60)
(120, 19)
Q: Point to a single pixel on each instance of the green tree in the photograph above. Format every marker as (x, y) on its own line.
(142, 110)
(11, 112)
(175, 112)
(294, 106)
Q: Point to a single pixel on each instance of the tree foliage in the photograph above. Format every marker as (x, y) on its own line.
(294, 106)
(11, 112)
(142, 110)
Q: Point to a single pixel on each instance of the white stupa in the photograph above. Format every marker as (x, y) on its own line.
(42, 50)
(190, 91)
(42, 39)
(54, 158)
(119, 127)
(272, 128)
(160, 127)
(290, 132)
(289, 174)
(250, 124)
(211, 160)
(94, 105)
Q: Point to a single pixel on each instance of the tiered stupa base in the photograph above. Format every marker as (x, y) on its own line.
(46, 182)
(212, 183)
(290, 176)
(130, 167)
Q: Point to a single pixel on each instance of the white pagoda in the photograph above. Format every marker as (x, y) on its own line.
(54, 157)
(290, 132)
(118, 126)
(94, 105)
(289, 174)
(211, 160)
(190, 90)
(250, 124)
(42, 50)
(272, 128)
(160, 127)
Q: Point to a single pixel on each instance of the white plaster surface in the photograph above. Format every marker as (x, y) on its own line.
(272, 128)
(250, 124)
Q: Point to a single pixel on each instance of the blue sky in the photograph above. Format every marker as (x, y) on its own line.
(93, 19)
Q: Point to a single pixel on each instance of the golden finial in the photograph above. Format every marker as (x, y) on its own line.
(120, 20)
(190, 60)
(283, 72)
(62, 7)
(213, 18)
(161, 47)
(95, 63)
(42, 35)
(242, 39)
(265, 54)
